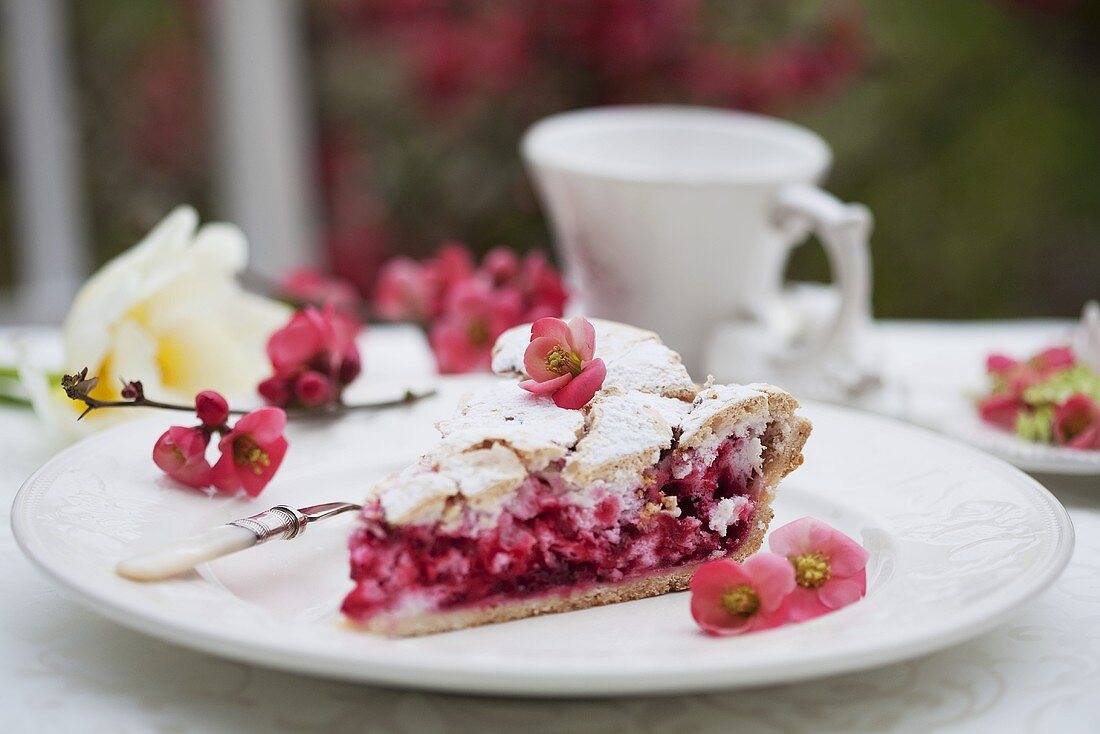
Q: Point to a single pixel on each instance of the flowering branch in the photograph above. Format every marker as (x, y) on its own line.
(79, 387)
(250, 450)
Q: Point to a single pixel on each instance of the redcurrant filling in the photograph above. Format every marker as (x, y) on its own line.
(547, 537)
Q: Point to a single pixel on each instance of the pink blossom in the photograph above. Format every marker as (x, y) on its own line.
(311, 286)
(318, 341)
(476, 314)
(730, 598)
(998, 363)
(501, 265)
(181, 454)
(1053, 360)
(1001, 409)
(211, 408)
(1077, 423)
(829, 567)
(542, 287)
(1013, 377)
(560, 362)
(452, 264)
(251, 452)
(408, 290)
(404, 291)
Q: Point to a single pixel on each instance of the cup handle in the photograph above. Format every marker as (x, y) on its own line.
(844, 231)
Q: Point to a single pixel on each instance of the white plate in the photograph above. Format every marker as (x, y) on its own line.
(954, 412)
(935, 372)
(966, 425)
(958, 540)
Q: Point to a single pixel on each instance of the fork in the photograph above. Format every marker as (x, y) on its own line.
(238, 535)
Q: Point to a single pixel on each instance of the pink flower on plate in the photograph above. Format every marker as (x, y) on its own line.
(560, 361)
(476, 314)
(251, 452)
(1015, 376)
(998, 363)
(1053, 360)
(730, 598)
(181, 454)
(1077, 423)
(1001, 409)
(829, 567)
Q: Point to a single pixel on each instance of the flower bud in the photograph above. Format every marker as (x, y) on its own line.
(275, 390)
(211, 408)
(180, 453)
(350, 366)
(312, 389)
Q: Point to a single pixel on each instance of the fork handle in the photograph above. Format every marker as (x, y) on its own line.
(187, 553)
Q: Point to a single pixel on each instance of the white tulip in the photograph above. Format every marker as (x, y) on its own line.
(170, 313)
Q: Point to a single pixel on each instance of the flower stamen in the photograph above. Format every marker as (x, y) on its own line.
(741, 601)
(811, 570)
(561, 360)
(247, 453)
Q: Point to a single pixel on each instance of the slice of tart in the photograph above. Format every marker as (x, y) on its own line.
(525, 508)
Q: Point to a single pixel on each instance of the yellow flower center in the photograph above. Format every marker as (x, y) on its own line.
(811, 571)
(247, 453)
(561, 360)
(741, 601)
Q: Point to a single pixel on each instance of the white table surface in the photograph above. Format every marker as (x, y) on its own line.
(64, 669)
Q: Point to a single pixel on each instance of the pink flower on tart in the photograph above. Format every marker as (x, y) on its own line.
(1077, 423)
(251, 452)
(829, 567)
(730, 598)
(560, 361)
(181, 454)
(476, 314)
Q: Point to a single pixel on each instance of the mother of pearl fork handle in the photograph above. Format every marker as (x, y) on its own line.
(280, 521)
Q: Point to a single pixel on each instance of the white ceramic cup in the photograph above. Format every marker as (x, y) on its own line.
(681, 220)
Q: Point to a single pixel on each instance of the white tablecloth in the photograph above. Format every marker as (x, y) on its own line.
(65, 669)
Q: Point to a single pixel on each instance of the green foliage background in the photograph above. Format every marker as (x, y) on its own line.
(975, 140)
